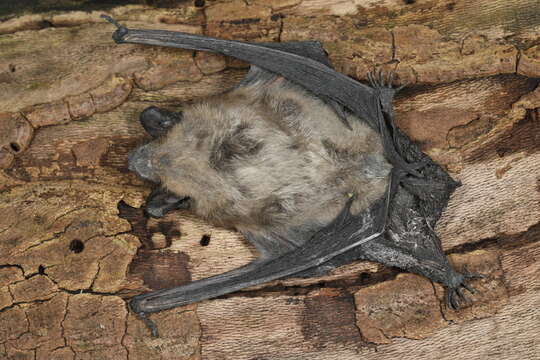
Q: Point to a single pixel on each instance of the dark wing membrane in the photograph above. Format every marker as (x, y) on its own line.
(344, 231)
(310, 49)
(305, 63)
(314, 75)
(401, 222)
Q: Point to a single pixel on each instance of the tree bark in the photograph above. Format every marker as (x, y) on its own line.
(74, 244)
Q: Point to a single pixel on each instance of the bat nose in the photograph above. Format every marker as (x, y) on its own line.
(140, 162)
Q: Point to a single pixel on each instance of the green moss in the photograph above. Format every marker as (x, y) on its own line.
(36, 85)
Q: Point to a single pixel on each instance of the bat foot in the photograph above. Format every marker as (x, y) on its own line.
(455, 296)
(379, 79)
(415, 166)
(384, 84)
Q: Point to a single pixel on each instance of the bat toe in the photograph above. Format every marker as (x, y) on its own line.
(455, 296)
(379, 79)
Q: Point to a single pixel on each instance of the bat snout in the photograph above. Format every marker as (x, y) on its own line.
(140, 162)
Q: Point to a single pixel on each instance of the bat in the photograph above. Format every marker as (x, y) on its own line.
(304, 161)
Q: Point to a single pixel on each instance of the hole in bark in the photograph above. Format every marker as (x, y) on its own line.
(46, 24)
(275, 17)
(77, 246)
(41, 270)
(15, 147)
(205, 240)
(364, 277)
(12, 67)
(198, 3)
(502, 151)
(408, 2)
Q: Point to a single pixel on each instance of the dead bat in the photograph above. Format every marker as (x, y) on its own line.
(304, 161)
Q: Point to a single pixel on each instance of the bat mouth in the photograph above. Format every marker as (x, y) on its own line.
(140, 162)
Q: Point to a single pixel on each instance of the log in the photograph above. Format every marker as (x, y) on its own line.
(75, 245)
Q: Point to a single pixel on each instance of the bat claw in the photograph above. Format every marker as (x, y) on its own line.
(463, 296)
(469, 288)
(451, 301)
(134, 304)
(405, 84)
(455, 293)
(149, 323)
(391, 77)
(121, 31)
(379, 79)
(371, 79)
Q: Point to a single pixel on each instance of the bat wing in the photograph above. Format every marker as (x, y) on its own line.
(396, 230)
(303, 63)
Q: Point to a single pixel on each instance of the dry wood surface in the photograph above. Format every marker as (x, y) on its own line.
(74, 244)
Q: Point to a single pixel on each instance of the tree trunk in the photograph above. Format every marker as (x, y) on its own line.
(74, 244)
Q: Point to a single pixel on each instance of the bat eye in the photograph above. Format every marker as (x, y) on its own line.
(158, 121)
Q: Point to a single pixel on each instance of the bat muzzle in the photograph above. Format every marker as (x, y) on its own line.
(140, 162)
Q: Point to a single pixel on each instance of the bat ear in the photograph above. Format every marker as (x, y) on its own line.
(158, 121)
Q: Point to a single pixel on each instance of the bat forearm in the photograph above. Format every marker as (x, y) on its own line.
(196, 290)
(311, 74)
(314, 253)
(220, 148)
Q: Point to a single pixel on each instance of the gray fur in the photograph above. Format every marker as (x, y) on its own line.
(270, 157)
(271, 160)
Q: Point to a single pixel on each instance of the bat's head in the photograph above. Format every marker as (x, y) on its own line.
(143, 160)
(169, 155)
(257, 161)
(181, 155)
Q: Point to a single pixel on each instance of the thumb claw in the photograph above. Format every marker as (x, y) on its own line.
(111, 20)
(120, 32)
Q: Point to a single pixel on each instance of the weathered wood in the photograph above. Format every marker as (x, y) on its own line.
(74, 243)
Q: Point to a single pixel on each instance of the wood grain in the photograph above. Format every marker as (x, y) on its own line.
(75, 245)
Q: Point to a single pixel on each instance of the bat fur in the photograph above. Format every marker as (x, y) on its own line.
(264, 157)
(305, 162)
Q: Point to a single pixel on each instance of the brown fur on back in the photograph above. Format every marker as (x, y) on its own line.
(271, 157)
